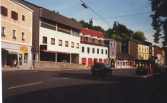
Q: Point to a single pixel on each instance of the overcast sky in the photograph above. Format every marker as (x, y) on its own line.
(133, 13)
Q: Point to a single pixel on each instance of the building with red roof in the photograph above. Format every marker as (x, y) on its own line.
(93, 48)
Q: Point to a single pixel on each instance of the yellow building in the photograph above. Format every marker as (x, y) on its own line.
(16, 34)
(143, 52)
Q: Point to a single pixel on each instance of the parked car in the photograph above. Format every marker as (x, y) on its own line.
(101, 70)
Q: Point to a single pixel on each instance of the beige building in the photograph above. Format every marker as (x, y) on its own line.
(143, 52)
(16, 34)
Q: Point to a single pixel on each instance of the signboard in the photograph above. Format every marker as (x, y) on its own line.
(24, 49)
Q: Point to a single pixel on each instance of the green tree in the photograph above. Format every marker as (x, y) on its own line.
(159, 20)
(139, 35)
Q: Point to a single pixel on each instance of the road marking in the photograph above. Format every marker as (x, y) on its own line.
(25, 85)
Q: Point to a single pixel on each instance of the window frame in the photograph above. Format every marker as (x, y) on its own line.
(44, 40)
(23, 36)
(66, 44)
(4, 11)
(52, 41)
(3, 31)
(14, 34)
(60, 43)
(14, 15)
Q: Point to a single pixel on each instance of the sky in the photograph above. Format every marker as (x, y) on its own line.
(135, 14)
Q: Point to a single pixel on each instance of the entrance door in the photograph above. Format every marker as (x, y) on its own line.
(20, 59)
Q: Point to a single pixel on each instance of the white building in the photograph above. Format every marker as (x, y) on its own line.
(92, 47)
(59, 38)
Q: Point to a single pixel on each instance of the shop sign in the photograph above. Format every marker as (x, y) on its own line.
(24, 49)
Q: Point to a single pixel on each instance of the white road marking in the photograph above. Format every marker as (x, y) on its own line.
(25, 85)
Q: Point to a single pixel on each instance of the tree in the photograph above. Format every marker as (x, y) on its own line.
(159, 20)
(139, 35)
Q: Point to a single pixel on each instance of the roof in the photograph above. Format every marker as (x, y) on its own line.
(92, 32)
(56, 17)
(53, 16)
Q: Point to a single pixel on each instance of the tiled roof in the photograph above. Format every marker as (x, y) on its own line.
(53, 16)
(92, 32)
(56, 17)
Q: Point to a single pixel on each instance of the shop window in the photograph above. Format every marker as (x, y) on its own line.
(44, 40)
(95, 60)
(52, 41)
(23, 36)
(60, 42)
(90, 61)
(72, 44)
(4, 11)
(66, 43)
(3, 31)
(14, 34)
(83, 49)
(100, 60)
(14, 15)
(25, 57)
(84, 61)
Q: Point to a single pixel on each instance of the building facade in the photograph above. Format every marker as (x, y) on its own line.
(126, 52)
(93, 48)
(144, 54)
(112, 44)
(59, 38)
(16, 34)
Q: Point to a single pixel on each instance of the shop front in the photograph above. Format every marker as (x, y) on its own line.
(15, 55)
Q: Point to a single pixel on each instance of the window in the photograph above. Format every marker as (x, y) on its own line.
(14, 15)
(14, 34)
(93, 50)
(97, 51)
(4, 11)
(77, 45)
(60, 42)
(66, 43)
(3, 31)
(72, 44)
(23, 18)
(25, 57)
(101, 51)
(23, 36)
(64, 29)
(52, 41)
(44, 40)
(84, 61)
(106, 51)
(88, 50)
(83, 49)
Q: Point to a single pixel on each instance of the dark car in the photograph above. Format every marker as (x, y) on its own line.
(101, 70)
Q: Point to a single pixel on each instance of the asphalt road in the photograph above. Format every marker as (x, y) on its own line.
(80, 87)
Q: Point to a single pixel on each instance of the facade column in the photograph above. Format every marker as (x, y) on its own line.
(18, 61)
(55, 57)
(70, 58)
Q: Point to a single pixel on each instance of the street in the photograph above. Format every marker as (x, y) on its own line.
(78, 86)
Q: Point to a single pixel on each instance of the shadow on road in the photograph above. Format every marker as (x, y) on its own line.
(129, 90)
